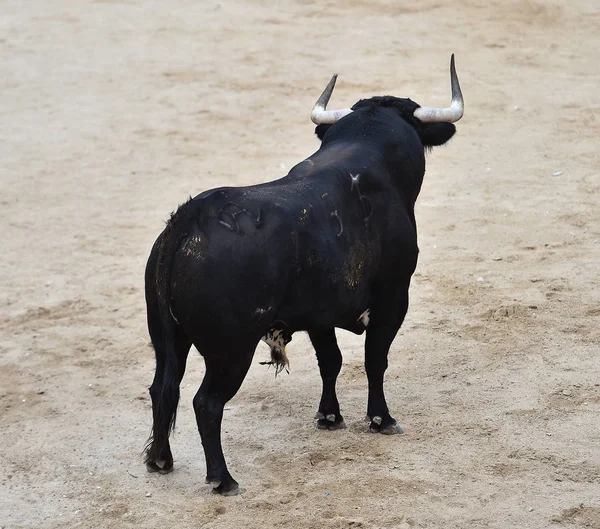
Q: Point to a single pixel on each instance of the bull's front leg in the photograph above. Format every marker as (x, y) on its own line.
(377, 345)
(330, 363)
(384, 324)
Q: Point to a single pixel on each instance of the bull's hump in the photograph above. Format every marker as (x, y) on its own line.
(337, 154)
(303, 169)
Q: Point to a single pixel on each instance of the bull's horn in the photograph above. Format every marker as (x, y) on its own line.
(451, 114)
(319, 114)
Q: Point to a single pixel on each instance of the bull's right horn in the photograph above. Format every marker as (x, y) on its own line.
(450, 114)
(319, 115)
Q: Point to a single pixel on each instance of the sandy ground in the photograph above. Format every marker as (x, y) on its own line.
(114, 112)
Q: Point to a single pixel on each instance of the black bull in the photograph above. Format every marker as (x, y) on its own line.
(332, 244)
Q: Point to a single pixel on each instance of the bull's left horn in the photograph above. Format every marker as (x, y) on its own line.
(319, 114)
(450, 114)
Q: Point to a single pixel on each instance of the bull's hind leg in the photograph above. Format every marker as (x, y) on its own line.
(164, 391)
(225, 372)
(330, 362)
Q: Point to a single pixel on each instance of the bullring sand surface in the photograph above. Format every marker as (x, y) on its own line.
(114, 112)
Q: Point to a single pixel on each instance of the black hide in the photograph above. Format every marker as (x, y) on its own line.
(312, 251)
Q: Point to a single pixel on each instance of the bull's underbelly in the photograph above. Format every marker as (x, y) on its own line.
(278, 336)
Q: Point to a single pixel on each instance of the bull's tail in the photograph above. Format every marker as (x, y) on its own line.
(171, 346)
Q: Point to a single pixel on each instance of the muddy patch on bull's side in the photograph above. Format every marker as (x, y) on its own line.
(356, 263)
(195, 247)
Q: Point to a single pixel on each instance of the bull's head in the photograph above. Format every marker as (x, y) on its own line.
(433, 124)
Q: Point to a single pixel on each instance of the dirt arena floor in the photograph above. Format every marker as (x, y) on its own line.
(114, 112)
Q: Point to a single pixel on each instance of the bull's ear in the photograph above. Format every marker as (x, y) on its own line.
(434, 134)
(321, 130)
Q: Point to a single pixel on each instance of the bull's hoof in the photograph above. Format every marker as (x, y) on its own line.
(385, 427)
(161, 467)
(392, 429)
(228, 488)
(330, 422)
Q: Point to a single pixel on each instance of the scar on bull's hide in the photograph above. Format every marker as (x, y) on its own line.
(364, 200)
(277, 339)
(173, 315)
(303, 215)
(232, 211)
(335, 215)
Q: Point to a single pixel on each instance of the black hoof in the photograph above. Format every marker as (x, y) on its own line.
(387, 426)
(324, 424)
(229, 488)
(392, 429)
(330, 422)
(161, 467)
